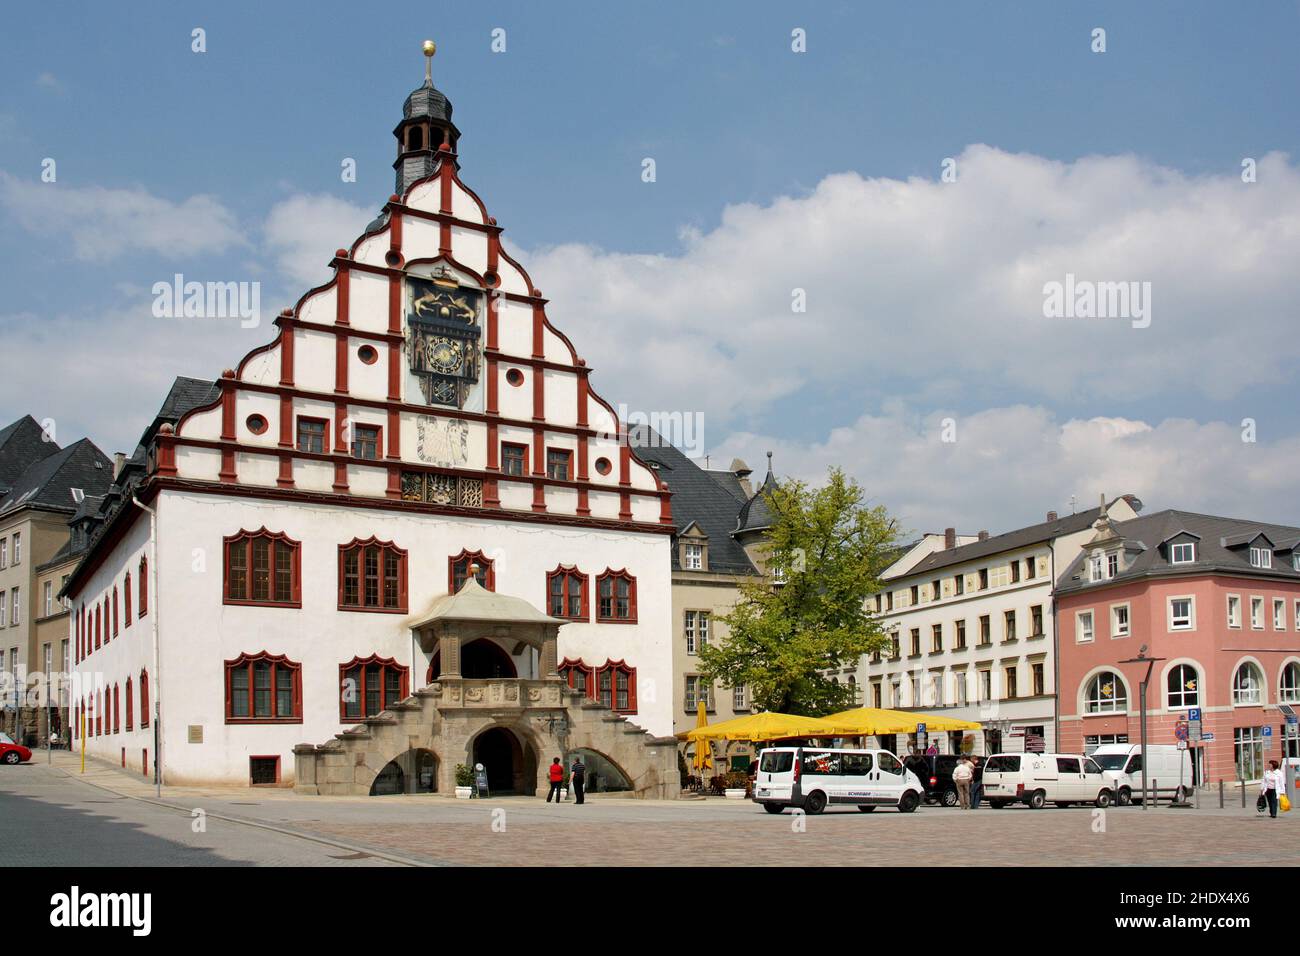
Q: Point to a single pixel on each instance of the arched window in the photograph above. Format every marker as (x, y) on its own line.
(263, 688)
(117, 710)
(126, 600)
(130, 701)
(1184, 686)
(144, 588)
(566, 590)
(144, 699)
(1248, 684)
(579, 676)
(616, 597)
(372, 576)
(99, 714)
(369, 686)
(1106, 694)
(415, 138)
(263, 568)
(115, 610)
(458, 571)
(616, 686)
(1289, 686)
(98, 621)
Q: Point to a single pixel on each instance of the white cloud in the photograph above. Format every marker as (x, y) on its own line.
(106, 223)
(1009, 466)
(936, 290)
(303, 232)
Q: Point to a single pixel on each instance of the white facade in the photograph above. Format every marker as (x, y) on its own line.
(1001, 677)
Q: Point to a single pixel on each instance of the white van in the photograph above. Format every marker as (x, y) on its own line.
(1034, 779)
(1171, 770)
(813, 777)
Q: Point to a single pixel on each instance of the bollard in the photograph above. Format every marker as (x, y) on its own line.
(1155, 792)
(1243, 794)
(1220, 794)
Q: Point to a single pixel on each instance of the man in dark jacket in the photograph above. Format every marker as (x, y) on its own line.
(578, 777)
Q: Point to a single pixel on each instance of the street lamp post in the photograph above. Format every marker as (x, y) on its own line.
(1142, 704)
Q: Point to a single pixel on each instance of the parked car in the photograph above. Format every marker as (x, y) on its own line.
(935, 773)
(811, 778)
(1171, 770)
(1034, 779)
(11, 752)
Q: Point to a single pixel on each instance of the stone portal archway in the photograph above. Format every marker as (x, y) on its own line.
(510, 762)
(481, 659)
(415, 771)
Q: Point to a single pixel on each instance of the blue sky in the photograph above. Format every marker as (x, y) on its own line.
(554, 131)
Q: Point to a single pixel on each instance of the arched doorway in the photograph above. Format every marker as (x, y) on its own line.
(510, 764)
(603, 775)
(479, 660)
(415, 771)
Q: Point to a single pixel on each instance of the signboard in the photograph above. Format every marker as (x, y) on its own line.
(1207, 737)
(1194, 713)
(1181, 731)
(1182, 744)
(1266, 731)
(480, 780)
(922, 738)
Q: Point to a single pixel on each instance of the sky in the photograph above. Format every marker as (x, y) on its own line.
(844, 256)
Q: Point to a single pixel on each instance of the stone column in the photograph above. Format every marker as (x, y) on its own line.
(449, 650)
(550, 661)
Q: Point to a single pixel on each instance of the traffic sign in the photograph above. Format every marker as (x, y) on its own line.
(1193, 713)
(1267, 731)
(1205, 737)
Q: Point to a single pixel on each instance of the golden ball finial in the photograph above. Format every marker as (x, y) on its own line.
(430, 48)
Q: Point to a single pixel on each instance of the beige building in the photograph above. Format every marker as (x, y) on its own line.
(36, 502)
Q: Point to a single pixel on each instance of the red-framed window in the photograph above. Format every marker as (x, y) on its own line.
(98, 619)
(579, 676)
(117, 710)
(514, 458)
(263, 568)
(144, 699)
(264, 771)
(313, 434)
(566, 594)
(616, 686)
(559, 464)
(263, 689)
(367, 440)
(616, 597)
(458, 571)
(130, 705)
(99, 714)
(115, 610)
(126, 600)
(369, 686)
(372, 576)
(144, 586)
(108, 617)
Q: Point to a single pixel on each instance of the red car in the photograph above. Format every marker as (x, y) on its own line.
(11, 752)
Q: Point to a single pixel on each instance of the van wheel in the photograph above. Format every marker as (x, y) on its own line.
(774, 808)
(908, 802)
(865, 808)
(814, 803)
(950, 798)
(1103, 799)
(1125, 797)
(1037, 800)
(997, 804)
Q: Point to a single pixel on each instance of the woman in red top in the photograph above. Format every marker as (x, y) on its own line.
(556, 771)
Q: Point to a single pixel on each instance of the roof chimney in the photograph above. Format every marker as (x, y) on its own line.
(983, 535)
(119, 459)
(949, 538)
(1051, 516)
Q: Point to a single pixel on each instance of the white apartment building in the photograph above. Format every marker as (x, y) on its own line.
(972, 629)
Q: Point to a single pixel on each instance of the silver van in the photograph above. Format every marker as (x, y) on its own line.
(812, 778)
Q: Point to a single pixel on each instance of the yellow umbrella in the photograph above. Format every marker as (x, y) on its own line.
(866, 721)
(765, 726)
(702, 747)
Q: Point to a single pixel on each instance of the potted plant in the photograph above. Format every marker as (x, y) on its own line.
(464, 782)
(737, 783)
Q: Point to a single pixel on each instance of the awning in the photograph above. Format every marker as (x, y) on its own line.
(765, 726)
(865, 721)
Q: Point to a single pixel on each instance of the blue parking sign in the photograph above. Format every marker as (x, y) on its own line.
(1193, 713)
(1268, 731)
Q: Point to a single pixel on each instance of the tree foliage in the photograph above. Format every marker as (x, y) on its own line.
(829, 548)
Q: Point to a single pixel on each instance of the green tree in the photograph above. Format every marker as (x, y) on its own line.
(830, 548)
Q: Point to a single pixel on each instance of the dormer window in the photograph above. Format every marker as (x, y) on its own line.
(1095, 568)
(1261, 558)
(1112, 564)
(1295, 560)
(1182, 553)
(693, 557)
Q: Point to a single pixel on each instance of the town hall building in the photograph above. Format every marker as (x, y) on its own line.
(404, 534)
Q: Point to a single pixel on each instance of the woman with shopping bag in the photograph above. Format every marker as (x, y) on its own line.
(1273, 788)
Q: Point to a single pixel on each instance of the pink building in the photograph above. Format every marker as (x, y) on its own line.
(1216, 601)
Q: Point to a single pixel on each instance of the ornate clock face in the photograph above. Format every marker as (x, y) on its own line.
(445, 355)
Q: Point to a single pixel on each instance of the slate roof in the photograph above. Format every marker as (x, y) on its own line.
(1222, 548)
(48, 483)
(756, 515)
(22, 444)
(730, 481)
(1008, 541)
(428, 101)
(697, 497)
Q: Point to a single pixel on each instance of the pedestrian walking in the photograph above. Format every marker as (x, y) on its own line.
(577, 778)
(962, 775)
(1272, 786)
(556, 772)
(976, 783)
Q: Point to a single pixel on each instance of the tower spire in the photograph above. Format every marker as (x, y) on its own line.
(425, 130)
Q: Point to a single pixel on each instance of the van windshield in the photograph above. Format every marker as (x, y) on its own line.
(1110, 761)
(1003, 763)
(779, 761)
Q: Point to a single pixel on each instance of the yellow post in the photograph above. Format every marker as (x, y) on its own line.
(83, 740)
